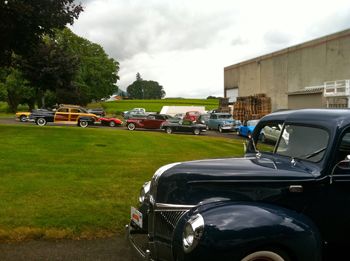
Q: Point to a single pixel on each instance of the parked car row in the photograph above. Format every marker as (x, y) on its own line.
(68, 114)
(136, 118)
(165, 122)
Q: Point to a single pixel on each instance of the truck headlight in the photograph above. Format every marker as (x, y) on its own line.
(193, 231)
(144, 190)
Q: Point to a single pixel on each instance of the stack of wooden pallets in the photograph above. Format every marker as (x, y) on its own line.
(251, 107)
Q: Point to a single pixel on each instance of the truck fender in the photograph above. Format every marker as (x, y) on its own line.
(232, 230)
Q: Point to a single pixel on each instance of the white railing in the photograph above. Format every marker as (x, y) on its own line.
(339, 88)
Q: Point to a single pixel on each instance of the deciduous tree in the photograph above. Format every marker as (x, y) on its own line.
(24, 22)
(50, 68)
(15, 89)
(141, 89)
(97, 73)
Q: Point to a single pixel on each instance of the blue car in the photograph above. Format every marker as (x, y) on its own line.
(221, 122)
(248, 128)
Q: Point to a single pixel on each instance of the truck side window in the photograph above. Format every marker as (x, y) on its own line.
(344, 147)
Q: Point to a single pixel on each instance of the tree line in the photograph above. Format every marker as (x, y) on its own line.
(43, 63)
(63, 68)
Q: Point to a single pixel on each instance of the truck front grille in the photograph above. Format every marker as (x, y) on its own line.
(165, 222)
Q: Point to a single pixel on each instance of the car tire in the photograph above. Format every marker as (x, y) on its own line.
(168, 130)
(41, 121)
(268, 255)
(207, 127)
(196, 131)
(22, 118)
(131, 126)
(83, 123)
(111, 124)
(220, 129)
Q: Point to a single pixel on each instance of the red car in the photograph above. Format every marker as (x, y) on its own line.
(112, 122)
(192, 115)
(152, 121)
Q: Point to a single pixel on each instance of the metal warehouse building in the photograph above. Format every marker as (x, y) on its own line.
(314, 74)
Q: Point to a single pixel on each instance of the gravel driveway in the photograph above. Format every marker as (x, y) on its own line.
(107, 249)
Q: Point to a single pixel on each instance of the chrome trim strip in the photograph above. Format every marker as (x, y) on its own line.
(172, 207)
(252, 181)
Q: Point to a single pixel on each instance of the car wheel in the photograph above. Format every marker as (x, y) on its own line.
(169, 130)
(41, 121)
(266, 255)
(220, 129)
(131, 126)
(207, 127)
(83, 123)
(23, 118)
(196, 131)
(111, 124)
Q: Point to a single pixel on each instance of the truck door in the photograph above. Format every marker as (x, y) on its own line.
(337, 210)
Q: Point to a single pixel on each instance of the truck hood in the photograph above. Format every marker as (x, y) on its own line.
(193, 181)
(250, 167)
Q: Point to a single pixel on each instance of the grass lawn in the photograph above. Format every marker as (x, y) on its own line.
(69, 182)
(154, 105)
(6, 115)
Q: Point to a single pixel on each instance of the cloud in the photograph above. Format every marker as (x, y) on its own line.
(337, 20)
(128, 28)
(184, 45)
(277, 39)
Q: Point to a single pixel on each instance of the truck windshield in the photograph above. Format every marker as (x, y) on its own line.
(302, 142)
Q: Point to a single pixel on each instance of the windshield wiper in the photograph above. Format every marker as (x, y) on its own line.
(313, 154)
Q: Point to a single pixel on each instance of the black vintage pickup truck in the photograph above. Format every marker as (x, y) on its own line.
(287, 199)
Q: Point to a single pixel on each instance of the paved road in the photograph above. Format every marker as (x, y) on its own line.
(107, 249)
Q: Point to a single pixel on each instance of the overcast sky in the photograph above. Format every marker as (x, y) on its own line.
(185, 44)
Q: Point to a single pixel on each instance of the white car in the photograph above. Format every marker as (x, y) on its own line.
(272, 133)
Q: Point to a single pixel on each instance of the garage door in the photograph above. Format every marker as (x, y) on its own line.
(232, 94)
(302, 101)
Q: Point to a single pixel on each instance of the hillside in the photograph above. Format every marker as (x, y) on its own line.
(116, 107)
